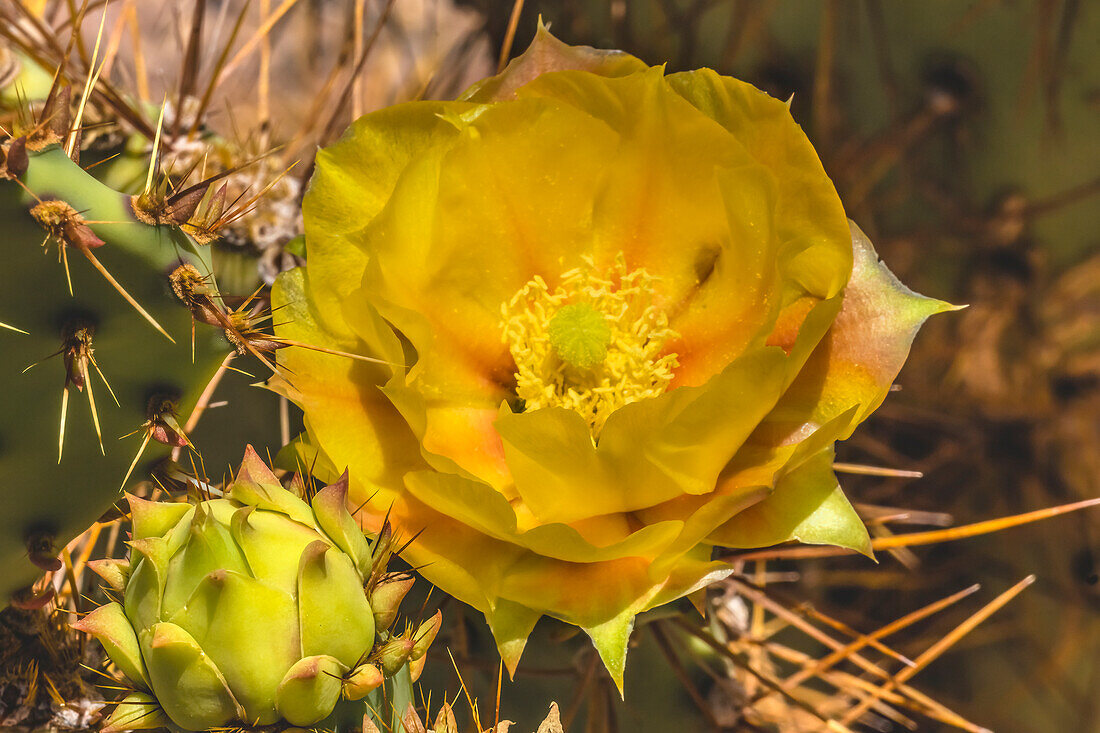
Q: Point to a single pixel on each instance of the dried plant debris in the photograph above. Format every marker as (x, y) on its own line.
(237, 90)
(445, 721)
(45, 672)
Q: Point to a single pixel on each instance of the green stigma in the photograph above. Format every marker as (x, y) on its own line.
(594, 343)
(579, 335)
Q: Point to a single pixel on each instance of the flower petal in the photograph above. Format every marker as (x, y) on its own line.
(438, 270)
(353, 180)
(807, 506)
(807, 209)
(546, 54)
(856, 363)
(343, 405)
(511, 624)
(655, 450)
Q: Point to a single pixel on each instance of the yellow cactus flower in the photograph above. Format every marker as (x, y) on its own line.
(623, 319)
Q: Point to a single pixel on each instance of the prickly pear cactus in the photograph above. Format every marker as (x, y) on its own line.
(259, 607)
(88, 302)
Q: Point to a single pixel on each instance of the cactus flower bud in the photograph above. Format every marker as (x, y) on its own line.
(244, 610)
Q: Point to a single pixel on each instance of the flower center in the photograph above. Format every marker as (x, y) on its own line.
(579, 335)
(592, 345)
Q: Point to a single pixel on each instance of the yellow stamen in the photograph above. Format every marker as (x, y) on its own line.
(592, 345)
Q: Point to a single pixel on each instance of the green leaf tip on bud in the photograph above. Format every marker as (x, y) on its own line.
(114, 572)
(579, 335)
(386, 598)
(330, 509)
(310, 690)
(258, 486)
(445, 721)
(425, 635)
(138, 711)
(110, 626)
(362, 681)
(153, 518)
(393, 653)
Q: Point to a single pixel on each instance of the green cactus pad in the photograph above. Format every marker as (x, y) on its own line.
(41, 498)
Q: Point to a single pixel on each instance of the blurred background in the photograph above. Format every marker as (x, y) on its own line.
(964, 138)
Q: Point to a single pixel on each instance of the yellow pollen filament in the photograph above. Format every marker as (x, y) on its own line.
(591, 345)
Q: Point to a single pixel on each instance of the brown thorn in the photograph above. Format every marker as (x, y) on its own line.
(934, 651)
(856, 636)
(509, 35)
(862, 470)
(922, 538)
(838, 655)
(204, 400)
(190, 70)
(260, 32)
(758, 675)
(215, 76)
(822, 100)
(333, 122)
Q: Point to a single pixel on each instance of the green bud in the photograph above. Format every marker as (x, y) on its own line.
(247, 610)
(363, 680)
(393, 654)
(114, 572)
(387, 596)
(138, 711)
(310, 690)
(425, 635)
(445, 721)
(110, 626)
